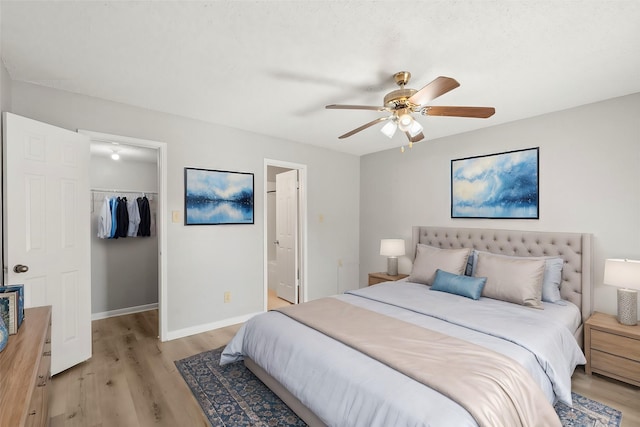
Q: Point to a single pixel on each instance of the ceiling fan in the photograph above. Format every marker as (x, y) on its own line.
(401, 103)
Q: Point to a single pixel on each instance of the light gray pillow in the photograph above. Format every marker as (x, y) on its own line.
(513, 279)
(429, 259)
(550, 281)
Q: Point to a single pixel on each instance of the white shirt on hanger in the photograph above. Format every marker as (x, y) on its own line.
(104, 220)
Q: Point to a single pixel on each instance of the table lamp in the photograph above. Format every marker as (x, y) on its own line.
(625, 274)
(392, 249)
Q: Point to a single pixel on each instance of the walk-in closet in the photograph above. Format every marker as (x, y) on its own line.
(124, 242)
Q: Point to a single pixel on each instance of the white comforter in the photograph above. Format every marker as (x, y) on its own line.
(346, 388)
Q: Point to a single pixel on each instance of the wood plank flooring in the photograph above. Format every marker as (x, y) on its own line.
(131, 380)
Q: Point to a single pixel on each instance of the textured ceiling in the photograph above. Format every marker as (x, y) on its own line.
(270, 67)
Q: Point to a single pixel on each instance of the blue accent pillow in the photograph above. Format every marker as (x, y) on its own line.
(466, 286)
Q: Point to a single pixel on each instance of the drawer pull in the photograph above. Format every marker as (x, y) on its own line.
(32, 412)
(48, 341)
(46, 353)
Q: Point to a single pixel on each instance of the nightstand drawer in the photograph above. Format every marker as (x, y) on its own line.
(618, 366)
(615, 344)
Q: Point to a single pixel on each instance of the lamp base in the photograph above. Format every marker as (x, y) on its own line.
(628, 307)
(392, 266)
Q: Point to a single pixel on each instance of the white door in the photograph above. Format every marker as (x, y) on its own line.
(46, 229)
(287, 235)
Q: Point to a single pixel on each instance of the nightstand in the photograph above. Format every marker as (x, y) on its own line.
(612, 349)
(375, 278)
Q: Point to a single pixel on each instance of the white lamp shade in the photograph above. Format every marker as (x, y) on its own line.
(389, 129)
(415, 129)
(392, 247)
(622, 273)
(404, 122)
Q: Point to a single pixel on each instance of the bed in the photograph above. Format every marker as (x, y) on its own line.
(328, 380)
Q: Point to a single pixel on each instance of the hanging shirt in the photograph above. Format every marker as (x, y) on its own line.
(104, 220)
(114, 218)
(123, 217)
(134, 217)
(145, 217)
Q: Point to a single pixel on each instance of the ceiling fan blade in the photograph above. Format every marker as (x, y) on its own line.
(477, 112)
(431, 91)
(355, 107)
(363, 127)
(418, 137)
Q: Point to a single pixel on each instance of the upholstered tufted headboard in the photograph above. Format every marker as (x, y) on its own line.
(574, 248)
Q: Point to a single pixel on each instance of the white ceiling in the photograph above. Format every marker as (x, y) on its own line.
(270, 67)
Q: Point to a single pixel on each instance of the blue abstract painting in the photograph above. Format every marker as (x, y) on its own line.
(217, 197)
(503, 185)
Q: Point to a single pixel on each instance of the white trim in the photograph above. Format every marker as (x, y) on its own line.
(123, 311)
(161, 221)
(193, 330)
(302, 224)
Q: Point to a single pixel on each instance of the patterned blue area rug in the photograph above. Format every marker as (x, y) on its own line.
(231, 396)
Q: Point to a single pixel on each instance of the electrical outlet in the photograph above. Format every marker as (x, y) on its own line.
(227, 297)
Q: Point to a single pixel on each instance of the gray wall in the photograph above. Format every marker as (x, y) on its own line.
(205, 261)
(124, 272)
(589, 182)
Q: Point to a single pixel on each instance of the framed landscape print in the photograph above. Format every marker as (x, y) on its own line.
(502, 185)
(214, 197)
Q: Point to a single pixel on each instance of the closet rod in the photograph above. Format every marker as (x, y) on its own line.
(110, 190)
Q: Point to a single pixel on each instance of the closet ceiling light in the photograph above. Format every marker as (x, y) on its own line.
(115, 155)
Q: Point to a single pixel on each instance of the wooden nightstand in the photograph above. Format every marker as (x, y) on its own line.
(375, 278)
(612, 349)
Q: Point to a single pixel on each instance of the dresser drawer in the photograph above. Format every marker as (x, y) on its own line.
(38, 414)
(615, 344)
(619, 367)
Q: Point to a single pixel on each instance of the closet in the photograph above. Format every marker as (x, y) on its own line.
(124, 270)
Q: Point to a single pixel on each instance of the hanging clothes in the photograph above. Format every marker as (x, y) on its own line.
(114, 218)
(145, 216)
(123, 217)
(117, 216)
(104, 220)
(134, 217)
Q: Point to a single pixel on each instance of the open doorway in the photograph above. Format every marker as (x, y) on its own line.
(284, 233)
(140, 174)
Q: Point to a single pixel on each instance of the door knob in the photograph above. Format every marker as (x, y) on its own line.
(19, 268)
(277, 242)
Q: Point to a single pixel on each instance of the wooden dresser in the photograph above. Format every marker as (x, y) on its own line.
(612, 349)
(25, 372)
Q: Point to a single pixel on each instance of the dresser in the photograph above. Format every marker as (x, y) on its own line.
(25, 372)
(612, 349)
(375, 278)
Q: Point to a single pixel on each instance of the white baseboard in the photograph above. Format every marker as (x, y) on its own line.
(181, 333)
(123, 311)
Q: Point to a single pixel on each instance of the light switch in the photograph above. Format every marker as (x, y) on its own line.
(175, 216)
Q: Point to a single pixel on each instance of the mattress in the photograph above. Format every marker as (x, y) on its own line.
(346, 388)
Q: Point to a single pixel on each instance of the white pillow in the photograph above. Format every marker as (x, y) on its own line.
(429, 259)
(513, 279)
(550, 281)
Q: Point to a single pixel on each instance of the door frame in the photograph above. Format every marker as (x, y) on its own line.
(302, 228)
(161, 221)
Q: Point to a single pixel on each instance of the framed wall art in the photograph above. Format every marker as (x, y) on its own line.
(502, 185)
(213, 197)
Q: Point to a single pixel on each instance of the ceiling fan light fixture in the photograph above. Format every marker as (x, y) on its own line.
(414, 129)
(404, 122)
(389, 129)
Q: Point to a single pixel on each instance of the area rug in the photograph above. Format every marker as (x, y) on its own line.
(231, 396)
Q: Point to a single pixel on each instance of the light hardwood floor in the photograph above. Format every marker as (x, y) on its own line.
(131, 380)
(274, 302)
